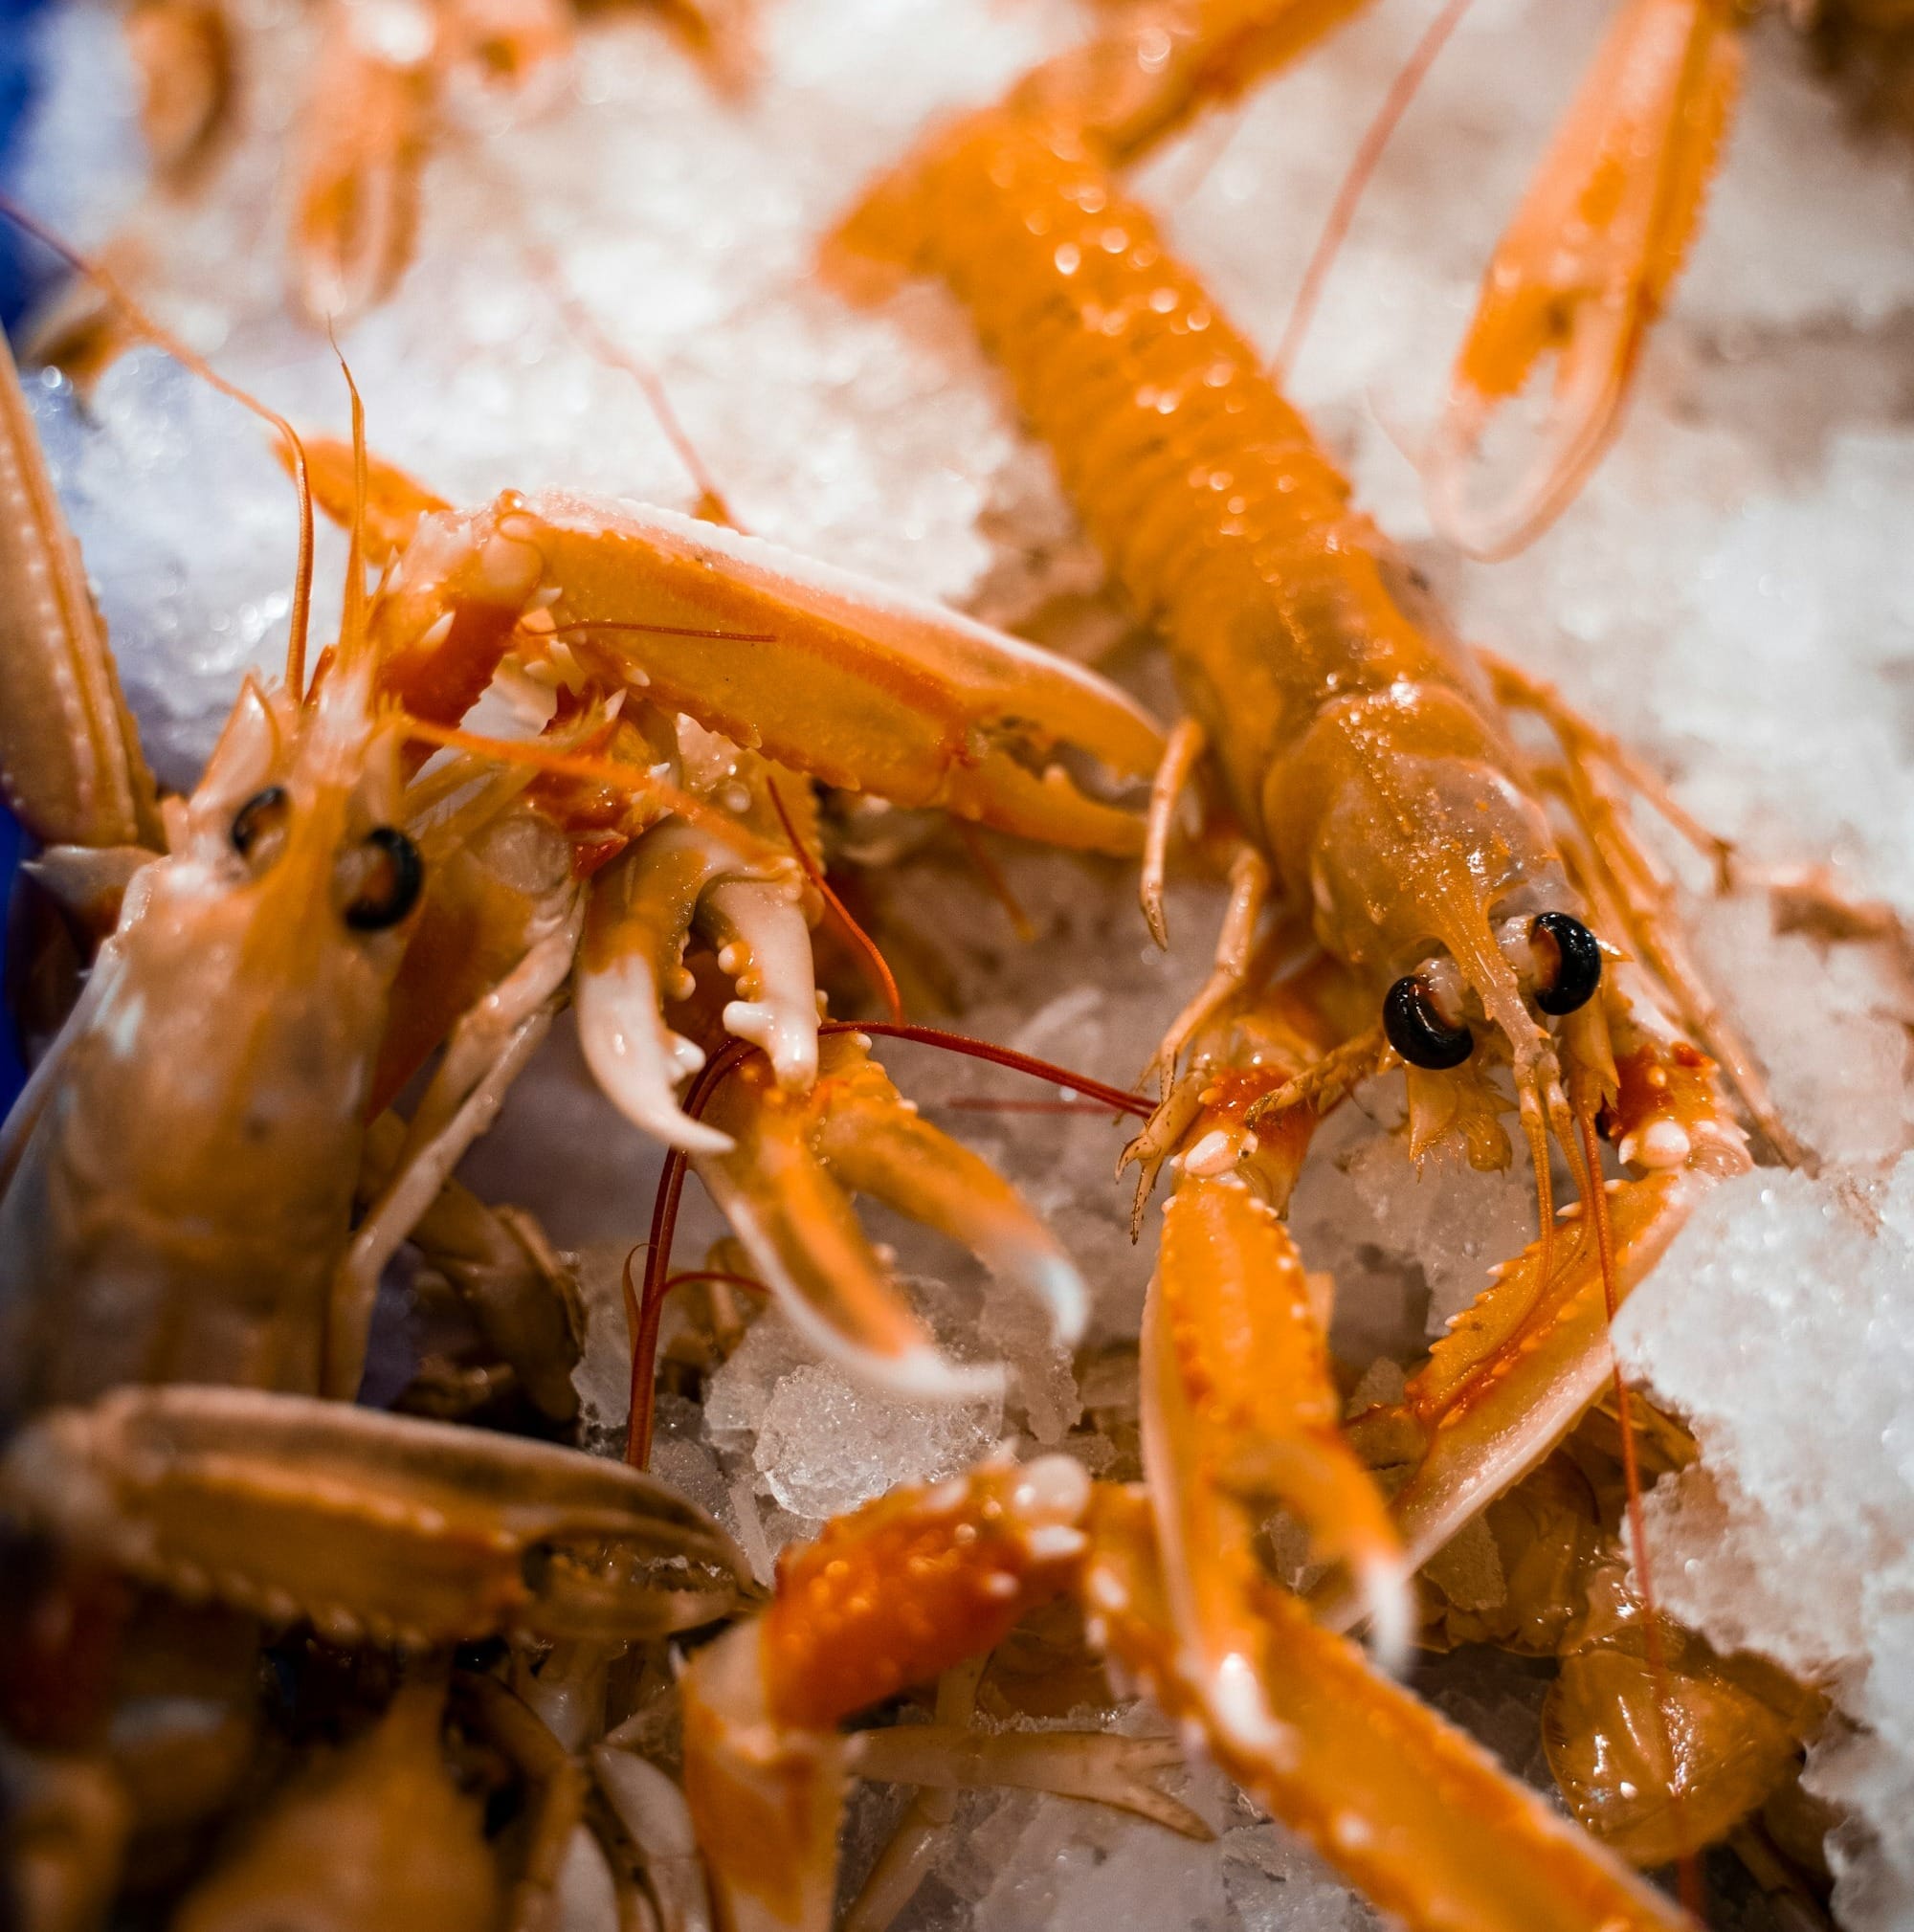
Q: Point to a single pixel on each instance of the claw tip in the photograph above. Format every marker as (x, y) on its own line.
(1153, 918)
(1055, 1280)
(931, 1377)
(1389, 1603)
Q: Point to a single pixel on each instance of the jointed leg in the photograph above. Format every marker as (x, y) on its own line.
(498, 1260)
(1236, 950)
(950, 1755)
(1582, 737)
(490, 1047)
(1180, 756)
(1264, 1071)
(904, 1862)
(1592, 764)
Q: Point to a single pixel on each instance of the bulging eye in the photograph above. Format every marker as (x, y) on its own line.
(382, 877)
(1578, 961)
(1419, 1031)
(259, 827)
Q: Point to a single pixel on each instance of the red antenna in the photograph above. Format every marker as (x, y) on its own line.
(644, 1306)
(876, 967)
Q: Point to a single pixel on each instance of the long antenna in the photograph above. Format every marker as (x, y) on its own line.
(352, 611)
(577, 317)
(1343, 212)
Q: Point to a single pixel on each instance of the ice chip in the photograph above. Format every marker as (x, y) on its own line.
(826, 1444)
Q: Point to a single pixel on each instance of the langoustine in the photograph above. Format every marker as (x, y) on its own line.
(180, 1175)
(1587, 262)
(1383, 814)
(179, 1184)
(913, 1584)
(747, 673)
(376, 101)
(622, 608)
(266, 1506)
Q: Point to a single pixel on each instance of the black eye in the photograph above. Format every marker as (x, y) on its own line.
(1578, 963)
(384, 878)
(259, 826)
(1417, 1032)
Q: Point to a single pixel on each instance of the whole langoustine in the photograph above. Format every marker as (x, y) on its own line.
(1459, 905)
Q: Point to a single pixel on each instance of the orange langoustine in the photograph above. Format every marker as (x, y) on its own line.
(202, 1187)
(1409, 889)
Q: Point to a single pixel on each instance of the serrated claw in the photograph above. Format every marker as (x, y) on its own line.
(636, 1059)
(764, 945)
(832, 674)
(1242, 1413)
(373, 1525)
(785, 1188)
(877, 1145)
(643, 908)
(888, 1597)
(1488, 1415)
(70, 763)
(1408, 1807)
(1587, 263)
(1502, 1419)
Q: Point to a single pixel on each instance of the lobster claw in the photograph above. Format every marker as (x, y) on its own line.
(644, 906)
(784, 1184)
(71, 769)
(846, 680)
(1586, 264)
(373, 1525)
(1412, 1810)
(1495, 1424)
(1256, 1417)
(358, 192)
(887, 1597)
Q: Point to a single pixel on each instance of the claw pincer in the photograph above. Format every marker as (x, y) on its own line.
(785, 1183)
(914, 1583)
(851, 681)
(778, 669)
(378, 1528)
(883, 1600)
